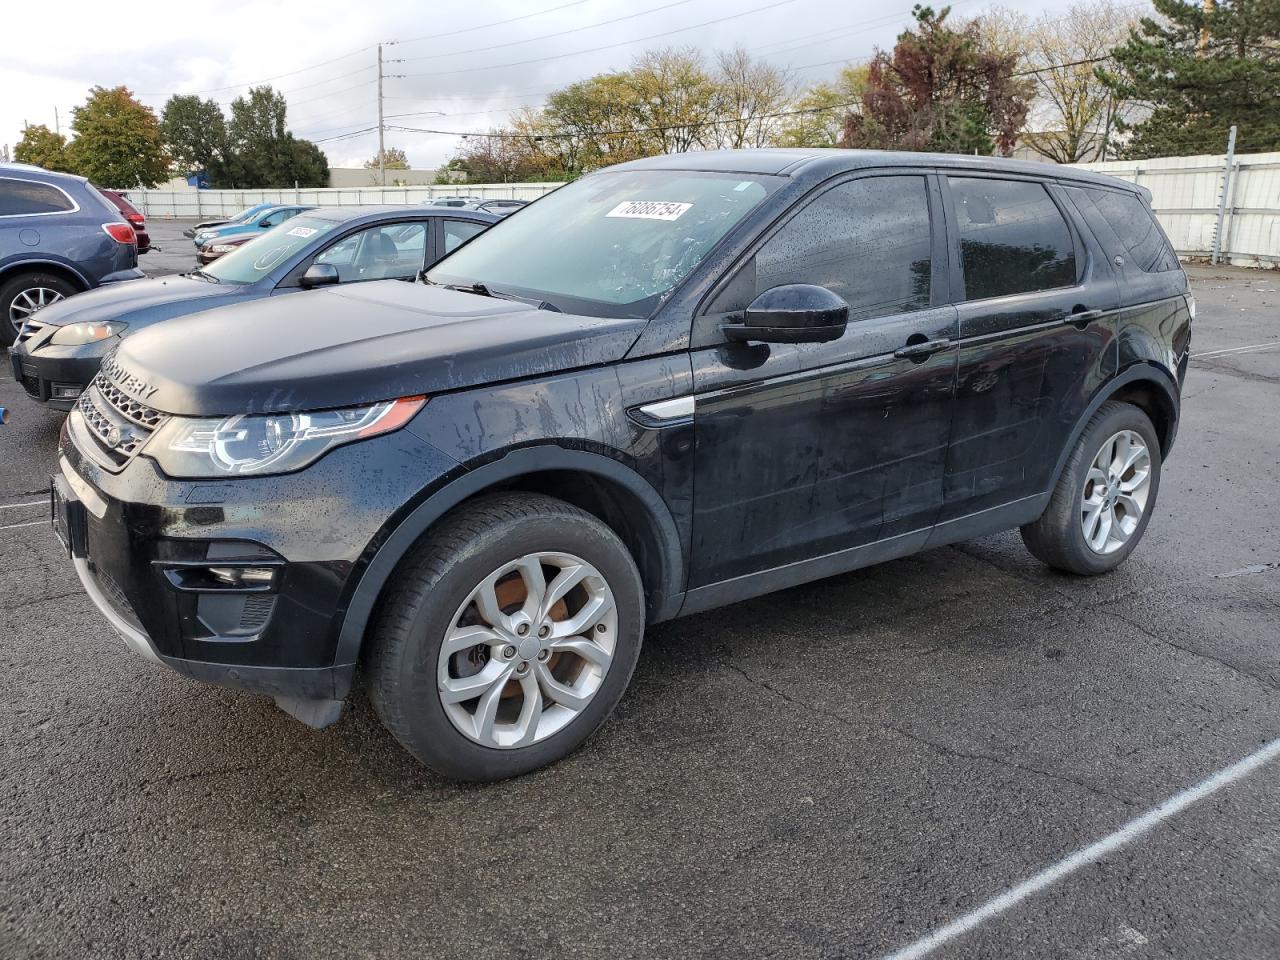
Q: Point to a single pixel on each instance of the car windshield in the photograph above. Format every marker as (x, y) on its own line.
(260, 256)
(247, 214)
(614, 244)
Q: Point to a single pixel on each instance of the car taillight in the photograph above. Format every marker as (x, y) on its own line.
(120, 232)
(137, 219)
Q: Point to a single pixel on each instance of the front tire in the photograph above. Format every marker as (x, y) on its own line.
(507, 637)
(1105, 496)
(26, 294)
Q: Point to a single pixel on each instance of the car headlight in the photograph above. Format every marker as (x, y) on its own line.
(223, 247)
(74, 334)
(263, 444)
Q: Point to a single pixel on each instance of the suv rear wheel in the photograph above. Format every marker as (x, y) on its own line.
(24, 295)
(507, 637)
(1104, 498)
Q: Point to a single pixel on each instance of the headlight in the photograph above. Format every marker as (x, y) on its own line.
(74, 334)
(223, 247)
(271, 443)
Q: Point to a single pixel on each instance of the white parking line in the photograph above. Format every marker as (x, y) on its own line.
(1090, 854)
(15, 506)
(14, 526)
(1248, 349)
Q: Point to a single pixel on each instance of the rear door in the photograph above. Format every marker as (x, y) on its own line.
(1037, 304)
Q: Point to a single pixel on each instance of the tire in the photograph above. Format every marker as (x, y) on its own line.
(19, 291)
(1059, 538)
(431, 596)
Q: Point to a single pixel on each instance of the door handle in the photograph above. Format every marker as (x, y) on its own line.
(1083, 318)
(922, 350)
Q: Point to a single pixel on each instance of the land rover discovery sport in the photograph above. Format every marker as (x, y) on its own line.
(671, 385)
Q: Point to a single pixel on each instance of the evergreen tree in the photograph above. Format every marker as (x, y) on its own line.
(1200, 72)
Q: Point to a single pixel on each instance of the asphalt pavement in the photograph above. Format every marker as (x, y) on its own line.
(836, 770)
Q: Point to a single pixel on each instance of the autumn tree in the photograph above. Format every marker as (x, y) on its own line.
(261, 150)
(195, 132)
(817, 115)
(1200, 70)
(118, 141)
(752, 93)
(940, 89)
(43, 148)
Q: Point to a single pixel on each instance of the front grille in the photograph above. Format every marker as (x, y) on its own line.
(116, 596)
(119, 423)
(31, 382)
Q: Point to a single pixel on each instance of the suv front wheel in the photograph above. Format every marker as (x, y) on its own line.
(507, 637)
(1104, 497)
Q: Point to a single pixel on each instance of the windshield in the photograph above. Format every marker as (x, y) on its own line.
(612, 244)
(247, 213)
(263, 254)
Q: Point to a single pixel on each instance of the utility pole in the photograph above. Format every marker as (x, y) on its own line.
(382, 154)
(57, 124)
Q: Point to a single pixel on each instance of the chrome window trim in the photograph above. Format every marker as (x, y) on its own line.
(75, 207)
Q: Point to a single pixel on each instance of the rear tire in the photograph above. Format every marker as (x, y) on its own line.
(1105, 496)
(485, 582)
(23, 295)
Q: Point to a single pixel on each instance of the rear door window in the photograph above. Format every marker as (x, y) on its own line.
(19, 198)
(458, 232)
(1013, 238)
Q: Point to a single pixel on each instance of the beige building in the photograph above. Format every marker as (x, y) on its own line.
(360, 177)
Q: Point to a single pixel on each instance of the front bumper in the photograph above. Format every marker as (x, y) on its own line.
(55, 376)
(147, 541)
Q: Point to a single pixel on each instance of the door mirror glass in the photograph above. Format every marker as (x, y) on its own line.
(792, 313)
(319, 275)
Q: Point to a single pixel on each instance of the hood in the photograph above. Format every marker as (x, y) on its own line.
(355, 344)
(138, 301)
(214, 234)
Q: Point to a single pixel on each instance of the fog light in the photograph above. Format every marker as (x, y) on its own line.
(67, 391)
(242, 578)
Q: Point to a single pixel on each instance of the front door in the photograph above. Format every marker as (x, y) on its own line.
(812, 449)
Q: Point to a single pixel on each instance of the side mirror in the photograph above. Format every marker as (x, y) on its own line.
(264, 223)
(319, 275)
(792, 313)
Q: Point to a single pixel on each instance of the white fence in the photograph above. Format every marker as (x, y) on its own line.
(203, 204)
(1186, 193)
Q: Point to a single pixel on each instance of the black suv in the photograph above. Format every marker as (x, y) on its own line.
(671, 385)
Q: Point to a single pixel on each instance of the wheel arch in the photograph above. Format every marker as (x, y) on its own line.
(602, 486)
(1148, 387)
(68, 272)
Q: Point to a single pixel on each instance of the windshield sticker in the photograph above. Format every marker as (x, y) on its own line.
(649, 210)
(302, 231)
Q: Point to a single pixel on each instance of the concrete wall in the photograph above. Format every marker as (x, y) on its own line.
(360, 177)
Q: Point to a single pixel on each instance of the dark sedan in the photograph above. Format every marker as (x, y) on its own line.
(58, 353)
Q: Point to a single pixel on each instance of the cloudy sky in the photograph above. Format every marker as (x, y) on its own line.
(451, 67)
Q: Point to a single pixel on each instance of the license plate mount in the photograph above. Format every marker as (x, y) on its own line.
(66, 515)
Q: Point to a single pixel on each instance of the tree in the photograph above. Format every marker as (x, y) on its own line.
(118, 141)
(751, 94)
(1073, 113)
(261, 150)
(673, 98)
(195, 132)
(393, 158)
(308, 166)
(44, 148)
(941, 89)
(818, 117)
(1200, 71)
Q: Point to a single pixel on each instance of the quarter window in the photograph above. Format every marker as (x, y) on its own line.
(458, 232)
(1136, 228)
(25, 197)
(1013, 238)
(867, 240)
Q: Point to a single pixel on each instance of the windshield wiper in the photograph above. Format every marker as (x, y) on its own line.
(208, 277)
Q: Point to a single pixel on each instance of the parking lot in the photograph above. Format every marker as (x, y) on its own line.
(831, 771)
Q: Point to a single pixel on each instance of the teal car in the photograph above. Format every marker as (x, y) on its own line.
(268, 218)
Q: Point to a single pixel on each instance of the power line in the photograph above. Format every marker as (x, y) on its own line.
(607, 46)
(548, 36)
(486, 26)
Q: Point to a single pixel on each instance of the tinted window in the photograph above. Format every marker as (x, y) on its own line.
(256, 259)
(457, 232)
(25, 197)
(867, 241)
(1136, 228)
(1013, 238)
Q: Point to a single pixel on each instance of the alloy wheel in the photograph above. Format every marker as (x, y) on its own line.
(1115, 492)
(28, 302)
(527, 650)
